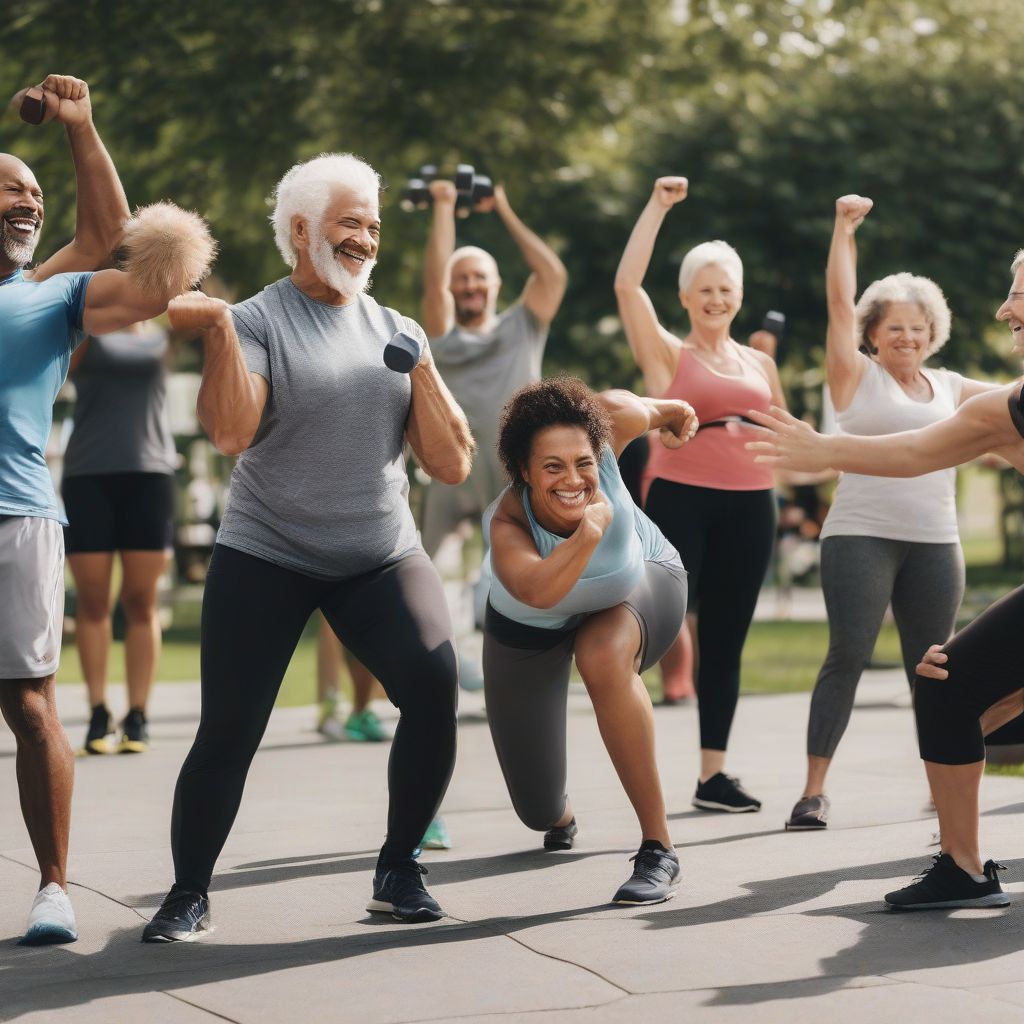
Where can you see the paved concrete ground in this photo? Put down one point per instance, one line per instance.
(767, 926)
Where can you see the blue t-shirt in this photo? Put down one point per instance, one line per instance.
(615, 567)
(40, 326)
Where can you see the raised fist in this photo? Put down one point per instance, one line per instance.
(851, 210)
(443, 192)
(597, 516)
(669, 191)
(195, 311)
(681, 429)
(63, 98)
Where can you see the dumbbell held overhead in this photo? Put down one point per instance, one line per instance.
(471, 189)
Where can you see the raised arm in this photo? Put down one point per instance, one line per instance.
(844, 364)
(545, 287)
(632, 416)
(654, 348)
(543, 582)
(437, 428)
(982, 424)
(167, 250)
(101, 209)
(231, 398)
(438, 304)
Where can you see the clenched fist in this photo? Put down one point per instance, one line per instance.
(669, 191)
(59, 97)
(195, 311)
(681, 429)
(443, 192)
(597, 517)
(851, 211)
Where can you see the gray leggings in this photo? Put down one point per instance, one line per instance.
(860, 576)
(526, 682)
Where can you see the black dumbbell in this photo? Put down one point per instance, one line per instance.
(774, 323)
(472, 188)
(33, 106)
(403, 352)
(417, 189)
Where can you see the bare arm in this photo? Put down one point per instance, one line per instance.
(101, 209)
(844, 363)
(633, 416)
(436, 428)
(656, 350)
(438, 304)
(980, 425)
(231, 398)
(545, 287)
(542, 582)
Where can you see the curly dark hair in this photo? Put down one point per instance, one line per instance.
(556, 402)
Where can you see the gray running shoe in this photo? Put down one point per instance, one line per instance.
(809, 814)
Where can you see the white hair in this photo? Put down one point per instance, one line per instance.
(474, 251)
(707, 254)
(307, 188)
(1018, 261)
(873, 305)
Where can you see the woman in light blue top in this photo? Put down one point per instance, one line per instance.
(579, 570)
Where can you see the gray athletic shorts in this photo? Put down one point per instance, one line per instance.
(31, 596)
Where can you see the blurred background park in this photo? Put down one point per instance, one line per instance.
(771, 109)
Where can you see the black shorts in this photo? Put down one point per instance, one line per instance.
(119, 512)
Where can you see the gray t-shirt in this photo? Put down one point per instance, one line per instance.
(483, 370)
(120, 421)
(322, 489)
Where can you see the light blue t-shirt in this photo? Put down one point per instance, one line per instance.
(40, 326)
(615, 567)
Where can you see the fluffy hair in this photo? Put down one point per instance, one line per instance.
(555, 402)
(306, 190)
(167, 250)
(1018, 261)
(707, 254)
(465, 251)
(903, 287)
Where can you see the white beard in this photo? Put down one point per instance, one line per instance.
(16, 250)
(333, 274)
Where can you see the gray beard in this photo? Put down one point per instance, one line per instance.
(15, 250)
(333, 274)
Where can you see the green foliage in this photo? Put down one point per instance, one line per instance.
(772, 109)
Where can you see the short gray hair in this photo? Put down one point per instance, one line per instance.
(306, 190)
(918, 291)
(474, 252)
(1018, 261)
(707, 254)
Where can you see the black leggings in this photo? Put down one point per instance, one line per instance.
(984, 665)
(393, 619)
(725, 539)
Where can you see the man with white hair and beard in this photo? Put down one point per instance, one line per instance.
(318, 517)
(45, 313)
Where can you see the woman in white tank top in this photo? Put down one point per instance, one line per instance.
(885, 540)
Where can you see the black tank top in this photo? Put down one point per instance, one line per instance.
(1016, 402)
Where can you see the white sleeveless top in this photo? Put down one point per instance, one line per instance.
(921, 508)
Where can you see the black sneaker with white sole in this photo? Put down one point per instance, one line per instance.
(809, 814)
(655, 876)
(561, 837)
(724, 793)
(946, 886)
(183, 916)
(398, 890)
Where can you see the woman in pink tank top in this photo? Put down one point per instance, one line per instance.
(713, 502)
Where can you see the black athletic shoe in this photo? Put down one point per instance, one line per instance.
(100, 726)
(724, 793)
(398, 890)
(809, 814)
(945, 885)
(182, 917)
(561, 837)
(655, 875)
(136, 735)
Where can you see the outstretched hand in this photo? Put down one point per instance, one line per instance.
(669, 191)
(930, 662)
(794, 445)
(681, 429)
(851, 211)
(195, 311)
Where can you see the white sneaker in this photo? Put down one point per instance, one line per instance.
(332, 728)
(51, 919)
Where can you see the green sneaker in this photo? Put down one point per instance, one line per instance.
(366, 727)
(436, 837)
